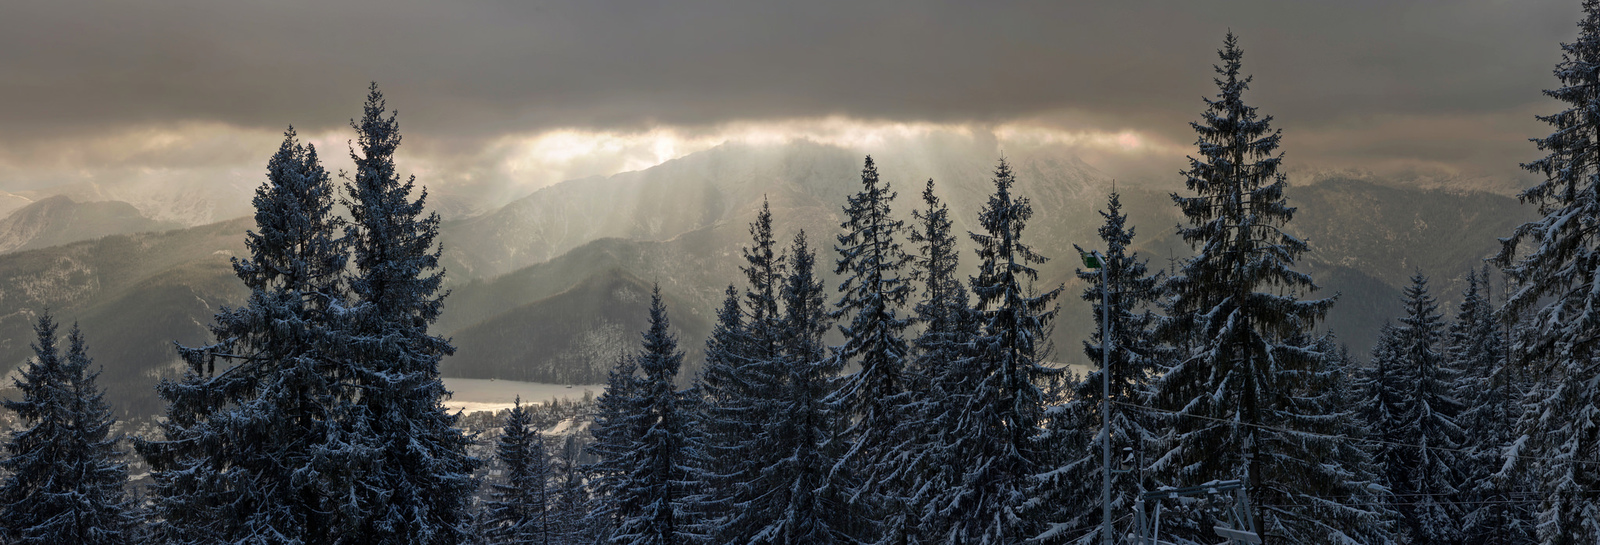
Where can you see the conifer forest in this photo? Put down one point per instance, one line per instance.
(890, 379)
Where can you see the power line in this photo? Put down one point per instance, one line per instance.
(1440, 494)
(1397, 504)
(1342, 437)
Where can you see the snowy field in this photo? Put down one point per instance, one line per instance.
(476, 394)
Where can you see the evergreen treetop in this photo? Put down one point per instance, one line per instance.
(64, 478)
(871, 291)
(519, 508)
(1554, 263)
(414, 479)
(998, 429)
(245, 452)
(944, 310)
(1236, 307)
(800, 505)
(764, 269)
(925, 459)
(1428, 472)
(741, 385)
(661, 473)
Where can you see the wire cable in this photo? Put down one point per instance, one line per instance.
(1343, 437)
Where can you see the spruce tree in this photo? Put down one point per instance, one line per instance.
(246, 450)
(661, 475)
(619, 423)
(1491, 395)
(64, 479)
(728, 416)
(764, 270)
(1236, 307)
(1555, 266)
(1332, 391)
(416, 481)
(925, 461)
(572, 499)
(1073, 489)
(726, 410)
(1424, 472)
(741, 385)
(871, 292)
(519, 509)
(997, 434)
(943, 311)
(1381, 388)
(793, 499)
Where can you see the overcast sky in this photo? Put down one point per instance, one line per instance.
(528, 91)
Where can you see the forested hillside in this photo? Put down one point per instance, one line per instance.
(805, 344)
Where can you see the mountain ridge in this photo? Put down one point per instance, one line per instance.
(58, 220)
(138, 293)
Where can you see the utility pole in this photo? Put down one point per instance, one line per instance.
(1094, 260)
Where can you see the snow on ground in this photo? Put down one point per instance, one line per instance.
(570, 426)
(476, 394)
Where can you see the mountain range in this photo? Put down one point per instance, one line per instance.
(553, 286)
(58, 220)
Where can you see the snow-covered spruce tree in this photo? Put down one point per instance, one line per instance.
(619, 423)
(1554, 264)
(1491, 397)
(1071, 491)
(1236, 307)
(996, 435)
(1377, 399)
(923, 459)
(764, 269)
(792, 498)
(874, 399)
(572, 499)
(1345, 377)
(1330, 391)
(726, 412)
(242, 458)
(64, 476)
(727, 416)
(1381, 390)
(417, 481)
(1424, 475)
(1337, 387)
(740, 386)
(662, 474)
(519, 509)
(944, 310)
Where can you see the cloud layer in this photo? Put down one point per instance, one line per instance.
(1440, 86)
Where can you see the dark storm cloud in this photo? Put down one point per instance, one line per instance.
(476, 67)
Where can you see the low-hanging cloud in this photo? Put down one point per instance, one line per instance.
(1354, 84)
(485, 65)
